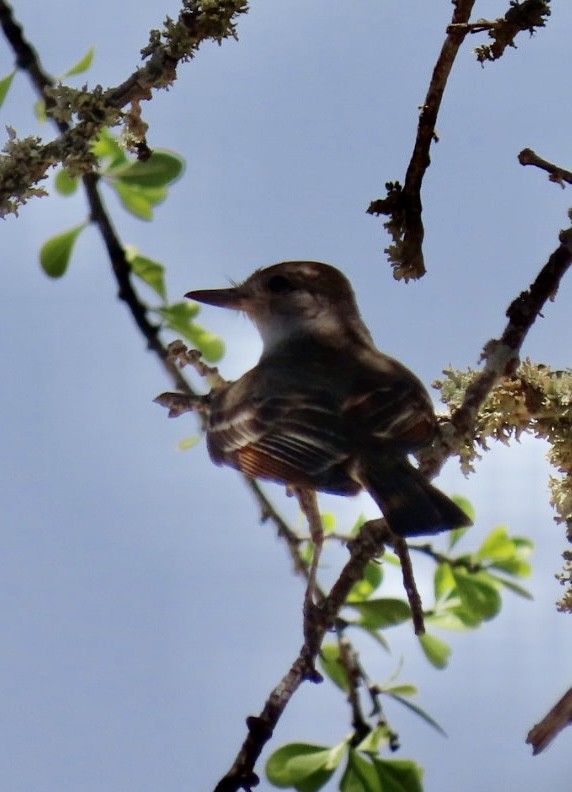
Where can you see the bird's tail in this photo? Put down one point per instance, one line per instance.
(410, 504)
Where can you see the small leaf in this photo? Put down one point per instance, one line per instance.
(5, 84)
(418, 711)
(108, 147)
(64, 183)
(478, 593)
(328, 521)
(514, 587)
(331, 666)
(398, 775)
(82, 65)
(383, 612)
(55, 252)
(188, 442)
(178, 318)
(359, 775)
(40, 111)
(497, 545)
(305, 767)
(447, 619)
(151, 272)
(211, 346)
(357, 525)
(161, 169)
(373, 575)
(436, 650)
(375, 740)
(135, 200)
(444, 582)
(405, 689)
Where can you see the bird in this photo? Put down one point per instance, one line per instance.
(324, 409)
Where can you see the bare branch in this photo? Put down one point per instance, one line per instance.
(403, 205)
(560, 716)
(555, 172)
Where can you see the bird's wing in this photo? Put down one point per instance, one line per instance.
(391, 410)
(298, 438)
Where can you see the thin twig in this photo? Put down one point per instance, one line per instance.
(555, 173)
(402, 552)
(560, 716)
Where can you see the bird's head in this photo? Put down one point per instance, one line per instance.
(290, 298)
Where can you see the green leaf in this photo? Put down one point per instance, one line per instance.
(55, 252)
(161, 169)
(376, 739)
(302, 766)
(211, 345)
(447, 619)
(5, 84)
(178, 318)
(355, 529)
(514, 587)
(40, 111)
(398, 775)
(108, 147)
(359, 775)
(64, 183)
(134, 199)
(513, 566)
(418, 711)
(383, 612)
(82, 65)
(331, 666)
(372, 577)
(150, 272)
(436, 650)
(443, 582)
(404, 689)
(497, 545)
(188, 442)
(478, 593)
(328, 521)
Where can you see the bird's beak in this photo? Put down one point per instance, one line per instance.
(223, 298)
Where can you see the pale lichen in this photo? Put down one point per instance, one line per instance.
(537, 400)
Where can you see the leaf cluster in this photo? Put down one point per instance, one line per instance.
(140, 187)
(467, 592)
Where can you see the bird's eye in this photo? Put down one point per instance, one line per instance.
(279, 283)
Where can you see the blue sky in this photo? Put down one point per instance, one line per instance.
(145, 610)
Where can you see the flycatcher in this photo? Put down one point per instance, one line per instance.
(323, 409)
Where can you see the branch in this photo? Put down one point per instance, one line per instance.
(555, 172)
(403, 205)
(560, 716)
(501, 355)
(369, 543)
(198, 21)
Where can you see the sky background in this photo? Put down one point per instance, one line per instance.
(145, 610)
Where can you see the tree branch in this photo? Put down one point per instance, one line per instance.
(501, 355)
(403, 204)
(555, 173)
(197, 22)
